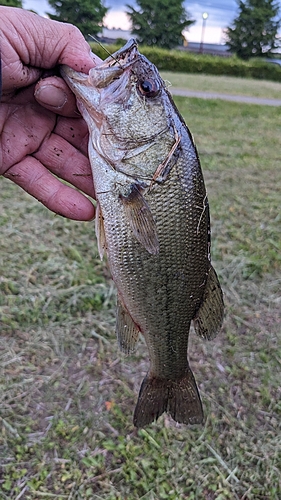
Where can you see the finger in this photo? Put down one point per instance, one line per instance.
(75, 51)
(23, 129)
(66, 162)
(74, 131)
(19, 96)
(34, 178)
(42, 43)
(55, 95)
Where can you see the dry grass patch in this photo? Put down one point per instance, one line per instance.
(67, 394)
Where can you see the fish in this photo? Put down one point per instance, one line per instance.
(152, 223)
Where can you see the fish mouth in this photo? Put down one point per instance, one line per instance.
(102, 74)
(116, 66)
(123, 57)
(114, 79)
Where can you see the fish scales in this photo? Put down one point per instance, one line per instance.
(153, 224)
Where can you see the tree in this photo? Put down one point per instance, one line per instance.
(11, 3)
(87, 15)
(159, 22)
(254, 31)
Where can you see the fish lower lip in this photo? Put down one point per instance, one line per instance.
(70, 74)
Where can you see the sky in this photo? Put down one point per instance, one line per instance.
(220, 15)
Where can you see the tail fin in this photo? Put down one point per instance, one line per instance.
(180, 398)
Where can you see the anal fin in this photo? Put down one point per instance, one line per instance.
(126, 330)
(209, 317)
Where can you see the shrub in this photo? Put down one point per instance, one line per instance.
(186, 62)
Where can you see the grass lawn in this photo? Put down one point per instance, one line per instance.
(224, 84)
(67, 394)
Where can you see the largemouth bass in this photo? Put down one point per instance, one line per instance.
(153, 223)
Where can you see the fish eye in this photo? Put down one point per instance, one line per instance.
(149, 88)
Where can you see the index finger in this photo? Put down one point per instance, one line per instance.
(30, 42)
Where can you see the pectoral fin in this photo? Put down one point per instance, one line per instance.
(209, 317)
(126, 330)
(141, 219)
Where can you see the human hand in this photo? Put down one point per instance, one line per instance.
(41, 130)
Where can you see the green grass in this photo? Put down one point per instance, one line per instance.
(67, 394)
(224, 84)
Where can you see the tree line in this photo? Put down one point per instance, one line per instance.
(253, 32)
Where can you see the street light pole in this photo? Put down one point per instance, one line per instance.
(205, 16)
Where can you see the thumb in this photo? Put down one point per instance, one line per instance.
(55, 95)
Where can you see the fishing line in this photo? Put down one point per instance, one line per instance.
(104, 48)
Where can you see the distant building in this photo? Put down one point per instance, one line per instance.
(111, 35)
